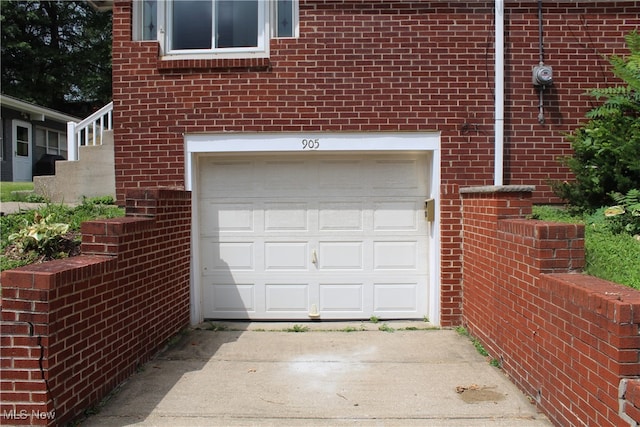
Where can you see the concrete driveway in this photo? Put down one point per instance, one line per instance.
(331, 374)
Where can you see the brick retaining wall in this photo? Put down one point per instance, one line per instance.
(73, 329)
(569, 340)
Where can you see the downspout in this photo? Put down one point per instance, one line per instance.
(499, 94)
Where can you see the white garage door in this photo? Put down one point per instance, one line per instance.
(283, 237)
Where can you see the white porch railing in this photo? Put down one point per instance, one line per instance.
(89, 131)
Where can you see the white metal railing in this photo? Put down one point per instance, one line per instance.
(89, 131)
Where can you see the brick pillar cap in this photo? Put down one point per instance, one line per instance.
(498, 189)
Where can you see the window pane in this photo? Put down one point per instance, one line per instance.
(236, 23)
(53, 140)
(41, 137)
(22, 133)
(22, 149)
(22, 141)
(149, 19)
(284, 16)
(191, 24)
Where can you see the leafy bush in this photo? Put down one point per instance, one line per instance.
(605, 159)
(42, 236)
(20, 250)
(625, 217)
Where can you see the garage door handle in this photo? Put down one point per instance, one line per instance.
(314, 257)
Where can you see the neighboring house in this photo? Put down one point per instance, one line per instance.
(325, 142)
(33, 137)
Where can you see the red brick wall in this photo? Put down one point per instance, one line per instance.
(74, 329)
(630, 395)
(378, 65)
(566, 339)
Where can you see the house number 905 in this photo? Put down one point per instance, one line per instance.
(310, 144)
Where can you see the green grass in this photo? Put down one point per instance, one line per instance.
(478, 346)
(614, 257)
(298, 328)
(386, 328)
(555, 214)
(609, 256)
(7, 188)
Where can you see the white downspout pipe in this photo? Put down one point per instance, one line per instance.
(499, 94)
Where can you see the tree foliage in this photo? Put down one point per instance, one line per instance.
(606, 157)
(56, 54)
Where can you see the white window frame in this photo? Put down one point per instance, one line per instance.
(61, 150)
(295, 18)
(267, 13)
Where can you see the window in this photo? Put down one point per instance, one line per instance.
(286, 18)
(22, 141)
(219, 27)
(51, 142)
(149, 19)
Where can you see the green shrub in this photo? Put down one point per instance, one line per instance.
(23, 250)
(625, 217)
(42, 235)
(605, 161)
(605, 158)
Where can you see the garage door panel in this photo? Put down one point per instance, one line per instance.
(394, 174)
(227, 256)
(388, 255)
(231, 298)
(287, 298)
(226, 176)
(221, 217)
(340, 216)
(340, 174)
(342, 297)
(286, 216)
(395, 297)
(395, 216)
(340, 256)
(286, 255)
(286, 176)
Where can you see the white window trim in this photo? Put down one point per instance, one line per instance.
(165, 30)
(62, 138)
(296, 20)
(269, 11)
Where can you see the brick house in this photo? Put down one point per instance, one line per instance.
(325, 141)
(32, 138)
